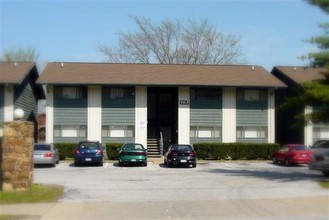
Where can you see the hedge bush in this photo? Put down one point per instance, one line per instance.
(206, 151)
(235, 151)
(66, 150)
(112, 150)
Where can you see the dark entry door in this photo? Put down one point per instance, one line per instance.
(162, 114)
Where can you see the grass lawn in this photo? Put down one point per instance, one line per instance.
(37, 193)
(325, 184)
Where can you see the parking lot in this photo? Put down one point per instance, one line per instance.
(212, 190)
(209, 181)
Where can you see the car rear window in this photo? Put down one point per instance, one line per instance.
(88, 145)
(299, 148)
(321, 144)
(42, 147)
(133, 147)
(181, 148)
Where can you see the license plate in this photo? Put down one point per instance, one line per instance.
(88, 159)
(133, 160)
(303, 155)
(38, 156)
(183, 161)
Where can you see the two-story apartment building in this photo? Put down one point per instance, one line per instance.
(287, 128)
(19, 90)
(139, 102)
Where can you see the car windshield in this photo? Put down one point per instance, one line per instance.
(181, 148)
(321, 144)
(299, 148)
(42, 147)
(133, 147)
(88, 145)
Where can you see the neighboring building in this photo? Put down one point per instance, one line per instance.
(141, 102)
(19, 90)
(287, 128)
(42, 127)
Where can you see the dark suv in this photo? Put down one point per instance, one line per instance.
(89, 152)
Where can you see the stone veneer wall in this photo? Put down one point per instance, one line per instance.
(17, 156)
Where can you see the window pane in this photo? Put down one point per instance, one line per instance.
(105, 131)
(217, 132)
(57, 131)
(239, 131)
(130, 131)
(193, 131)
(83, 131)
(324, 132)
(251, 95)
(117, 131)
(69, 92)
(250, 132)
(69, 131)
(204, 132)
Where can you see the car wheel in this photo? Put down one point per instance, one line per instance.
(274, 160)
(168, 164)
(286, 162)
(120, 164)
(165, 163)
(76, 164)
(145, 164)
(325, 172)
(194, 165)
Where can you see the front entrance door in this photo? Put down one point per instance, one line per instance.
(162, 114)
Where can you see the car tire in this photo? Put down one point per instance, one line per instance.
(274, 160)
(168, 165)
(165, 163)
(120, 164)
(76, 164)
(145, 164)
(194, 165)
(286, 162)
(325, 172)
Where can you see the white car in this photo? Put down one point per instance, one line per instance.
(320, 158)
(45, 154)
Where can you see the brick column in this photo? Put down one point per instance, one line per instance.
(17, 156)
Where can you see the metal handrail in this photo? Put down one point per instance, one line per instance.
(161, 144)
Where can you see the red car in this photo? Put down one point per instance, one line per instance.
(293, 154)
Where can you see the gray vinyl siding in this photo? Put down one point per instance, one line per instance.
(2, 103)
(70, 112)
(207, 113)
(118, 112)
(252, 114)
(25, 99)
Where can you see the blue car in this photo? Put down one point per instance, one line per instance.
(88, 152)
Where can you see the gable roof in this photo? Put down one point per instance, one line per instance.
(157, 74)
(14, 72)
(299, 74)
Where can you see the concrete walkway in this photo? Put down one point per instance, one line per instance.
(297, 208)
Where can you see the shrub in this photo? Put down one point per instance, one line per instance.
(235, 151)
(112, 150)
(65, 150)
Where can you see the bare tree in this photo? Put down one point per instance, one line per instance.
(21, 55)
(174, 42)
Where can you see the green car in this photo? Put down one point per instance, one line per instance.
(132, 153)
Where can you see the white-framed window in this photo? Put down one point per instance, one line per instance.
(118, 92)
(71, 92)
(205, 93)
(70, 130)
(205, 131)
(251, 132)
(321, 132)
(118, 131)
(250, 95)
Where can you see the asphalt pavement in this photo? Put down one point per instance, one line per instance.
(216, 190)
